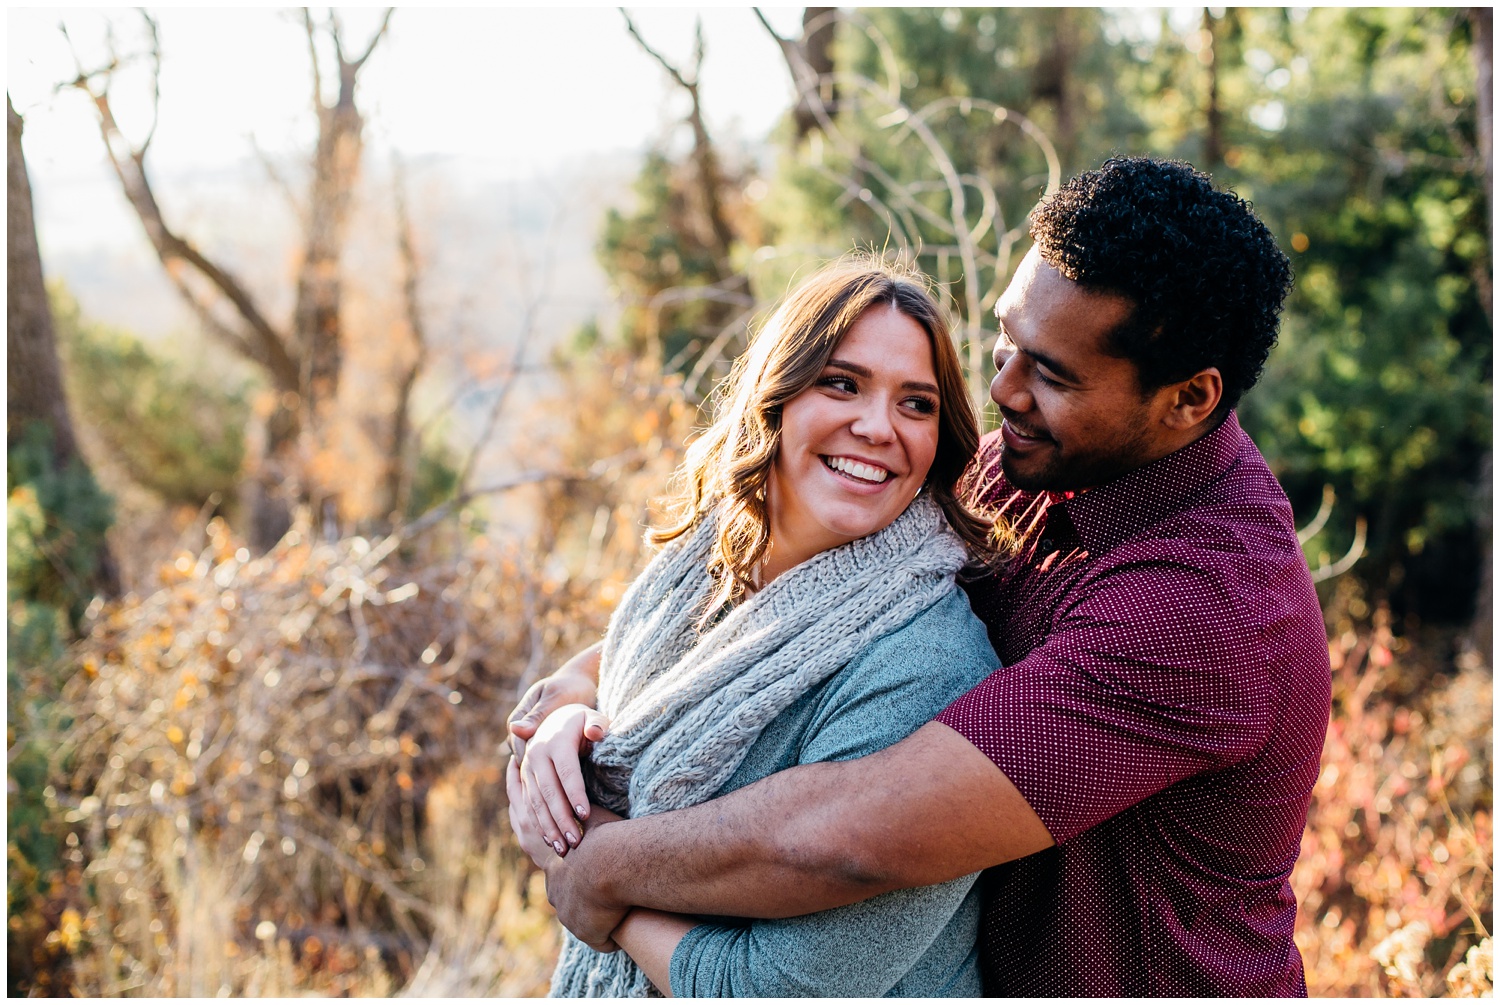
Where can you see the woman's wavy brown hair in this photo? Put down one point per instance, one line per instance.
(731, 461)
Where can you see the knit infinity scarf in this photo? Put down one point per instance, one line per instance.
(685, 707)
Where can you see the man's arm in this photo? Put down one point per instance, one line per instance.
(926, 810)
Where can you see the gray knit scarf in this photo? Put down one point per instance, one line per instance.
(686, 706)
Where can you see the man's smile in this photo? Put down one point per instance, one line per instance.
(1020, 435)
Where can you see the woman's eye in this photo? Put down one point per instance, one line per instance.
(922, 405)
(838, 383)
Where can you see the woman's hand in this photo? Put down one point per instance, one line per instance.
(575, 682)
(551, 780)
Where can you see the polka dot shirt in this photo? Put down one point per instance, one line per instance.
(1162, 708)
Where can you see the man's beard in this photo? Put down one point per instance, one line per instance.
(1063, 474)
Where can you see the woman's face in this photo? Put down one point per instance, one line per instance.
(856, 446)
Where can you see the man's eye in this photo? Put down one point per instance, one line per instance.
(1042, 376)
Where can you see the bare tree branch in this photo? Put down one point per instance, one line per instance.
(312, 52)
(705, 162)
(262, 343)
(1356, 551)
(435, 515)
(398, 477)
(155, 56)
(676, 74)
(278, 179)
(385, 23)
(536, 294)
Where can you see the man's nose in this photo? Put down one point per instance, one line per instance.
(1008, 389)
(1003, 353)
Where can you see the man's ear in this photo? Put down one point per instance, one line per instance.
(1194, 400)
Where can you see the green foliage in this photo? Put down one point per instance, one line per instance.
(1382, 384)
(661, 245)
(55, 525)
(175, 433)
(435, 480)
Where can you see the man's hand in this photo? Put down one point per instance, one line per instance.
(570, 887)
(575, 682)
(551, 779)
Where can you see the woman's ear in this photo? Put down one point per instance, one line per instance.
(1195, 399)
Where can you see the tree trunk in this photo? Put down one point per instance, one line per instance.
(318, 312)
(1481, 632)
(1482, 20)
(818, 24)
(1213, 141)
(33, 372)
(1052, 82)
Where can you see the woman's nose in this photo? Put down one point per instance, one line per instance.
(874, 423)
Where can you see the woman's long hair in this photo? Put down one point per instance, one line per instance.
(731, 461)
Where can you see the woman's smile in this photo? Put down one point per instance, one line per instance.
(858, 471)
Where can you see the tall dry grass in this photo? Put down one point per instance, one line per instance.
(1395, 884)
(281, 773)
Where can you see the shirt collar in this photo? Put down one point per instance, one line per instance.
(1108, 514)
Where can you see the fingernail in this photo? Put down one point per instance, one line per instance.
(557, 846)
(583, 811)
(572, 839)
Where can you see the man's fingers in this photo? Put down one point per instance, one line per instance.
(523, 718)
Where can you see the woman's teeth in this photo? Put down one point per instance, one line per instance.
(864, 472)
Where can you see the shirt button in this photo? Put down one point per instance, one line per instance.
(1047, 544)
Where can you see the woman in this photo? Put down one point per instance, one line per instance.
(804, 609)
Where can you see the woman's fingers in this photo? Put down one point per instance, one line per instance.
(552, 778)
(522, 822)
(548, 803)
(573, 794)
(595, 725)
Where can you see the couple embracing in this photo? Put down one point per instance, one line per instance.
(793, 768)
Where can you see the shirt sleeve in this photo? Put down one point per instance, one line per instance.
(863, 949)
(859, 951)
(1152, 675)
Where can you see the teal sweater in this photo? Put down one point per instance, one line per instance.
(911, 943)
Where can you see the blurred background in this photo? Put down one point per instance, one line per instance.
(348, 350)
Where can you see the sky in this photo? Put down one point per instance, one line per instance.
(495, 93)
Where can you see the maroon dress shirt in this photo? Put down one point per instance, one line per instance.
(1162, 709)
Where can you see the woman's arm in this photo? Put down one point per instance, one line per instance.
(862, 950)
(651, 937)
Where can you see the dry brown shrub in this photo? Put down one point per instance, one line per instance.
(284, 772)
(1395, 884)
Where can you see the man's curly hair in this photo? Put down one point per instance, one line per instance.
(1204, 273)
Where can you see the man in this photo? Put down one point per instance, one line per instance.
(1136, 777)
